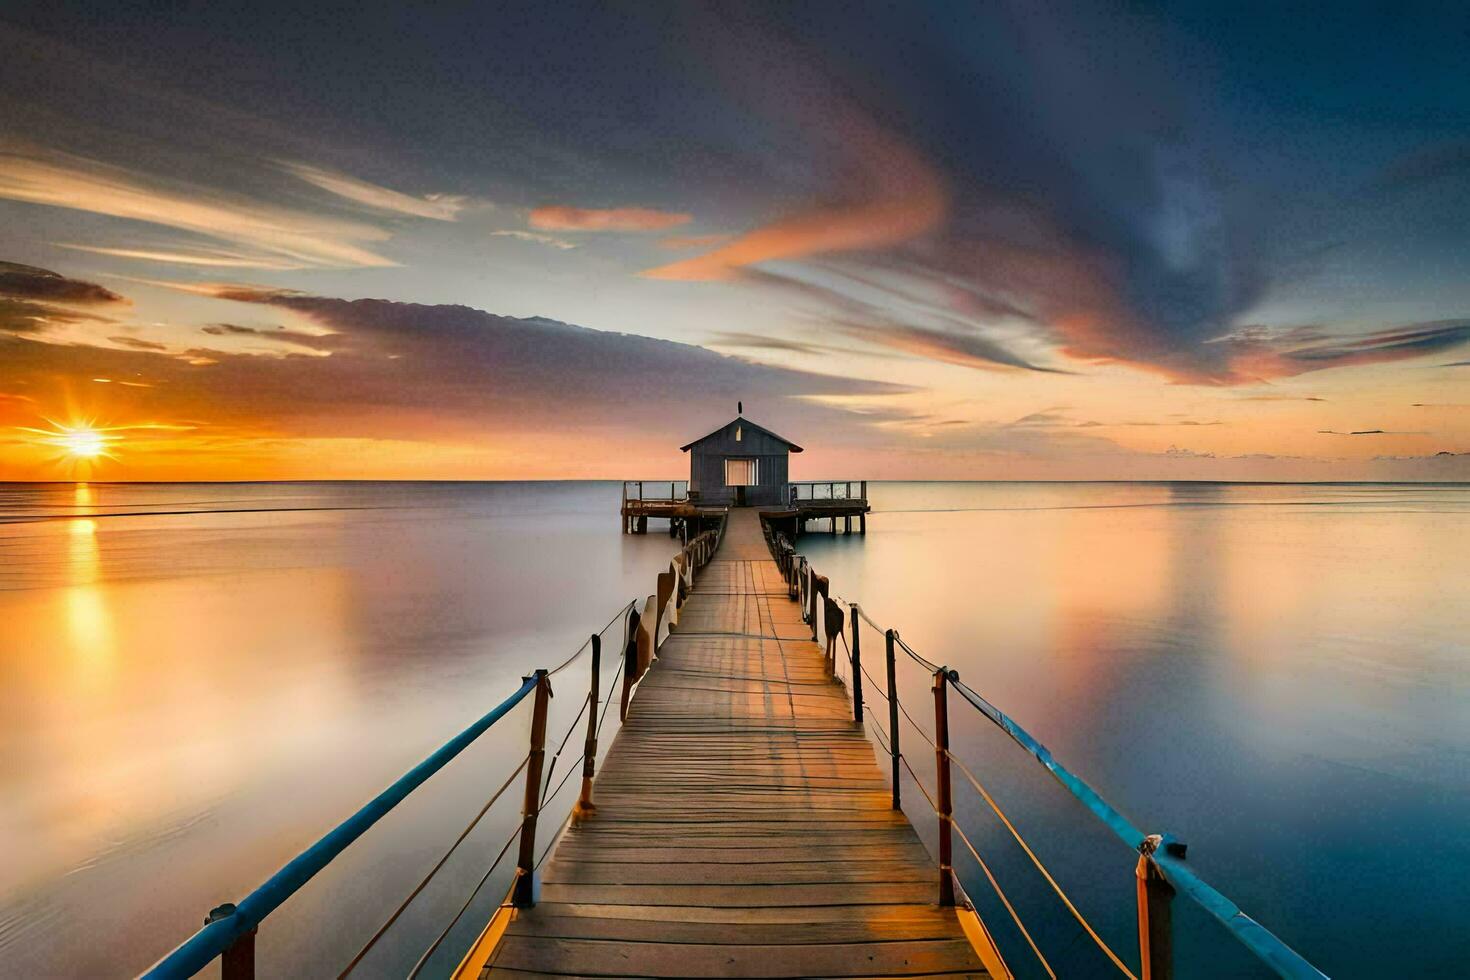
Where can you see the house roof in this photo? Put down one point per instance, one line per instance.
(746, 422)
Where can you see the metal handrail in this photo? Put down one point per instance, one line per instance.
(831, 486)
(1160, 855)
(235, 921)
(673, 491)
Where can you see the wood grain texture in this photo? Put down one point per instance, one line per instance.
(743, 828)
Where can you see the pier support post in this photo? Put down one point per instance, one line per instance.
(585, 806)
(523, 894)
(1155, 918)
(888, 642)
(857, 670)
(862, 523)
(946, 801)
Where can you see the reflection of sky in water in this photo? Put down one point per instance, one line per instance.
(191, 698)
(1275, 674)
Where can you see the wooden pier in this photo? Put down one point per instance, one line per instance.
(830, 501)
(742, 826)
(738, 825)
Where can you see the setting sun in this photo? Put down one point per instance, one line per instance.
(82, 443)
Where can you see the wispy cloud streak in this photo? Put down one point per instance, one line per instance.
(439, 207)
(86, 185)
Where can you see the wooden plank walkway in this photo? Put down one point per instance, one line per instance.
(743, 828)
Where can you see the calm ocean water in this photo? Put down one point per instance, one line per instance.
(200, 679)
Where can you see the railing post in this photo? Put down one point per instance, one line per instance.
(585, 806)
(630, 661)
(237, 962)
(941, 771)
(857, 670)
(811, 595)
(523, 897)
(888, 638)
(1155, 920)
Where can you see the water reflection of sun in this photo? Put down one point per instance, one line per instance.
(89, 624)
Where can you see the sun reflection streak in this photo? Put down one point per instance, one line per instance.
(88, 619)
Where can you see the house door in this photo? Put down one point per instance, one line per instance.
(739, 474)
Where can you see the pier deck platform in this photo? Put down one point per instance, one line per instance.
(742, 828)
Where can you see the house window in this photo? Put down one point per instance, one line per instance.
(737, 433)
(740, 473)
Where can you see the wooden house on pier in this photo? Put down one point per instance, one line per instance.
(740, 464)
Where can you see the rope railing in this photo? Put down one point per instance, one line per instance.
(444, 933)
(1086, 926)
(1161, 869)
(402, 906)
(1000, 893)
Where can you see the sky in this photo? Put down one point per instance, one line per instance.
(924, 240)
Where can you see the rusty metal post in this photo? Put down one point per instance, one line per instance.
(585, 806)
(523, 895)
(1155, 919)
(941, 773)
(857, 670)
(888, 638)
(237, 962)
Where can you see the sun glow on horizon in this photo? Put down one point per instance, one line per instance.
(81, 443)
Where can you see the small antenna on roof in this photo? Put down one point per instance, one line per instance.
(740, 408)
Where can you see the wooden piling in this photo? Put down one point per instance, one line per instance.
(889, 638)
(585, 807)
(523, 893)
(1155, 920)
(946, 801)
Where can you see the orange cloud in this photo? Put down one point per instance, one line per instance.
(559, 217)
(892, 197)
